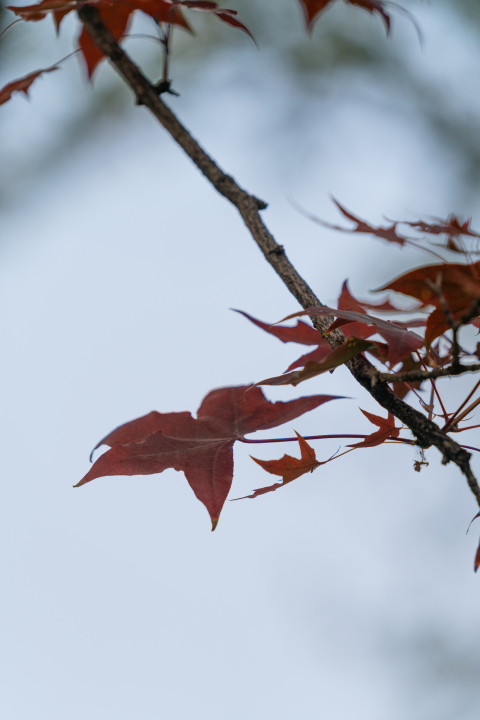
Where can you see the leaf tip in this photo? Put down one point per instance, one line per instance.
(214, 523)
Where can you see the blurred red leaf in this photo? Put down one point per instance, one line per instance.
(201, 447)
(452, 227)
(116, 14)
(288, 467)
(459, 284)
(386, 430)
(23, 84)
(312, 8)
(41, 10)
(223, 14)
(387, 233)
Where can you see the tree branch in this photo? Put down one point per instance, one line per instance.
(425, 431)
(414, 375)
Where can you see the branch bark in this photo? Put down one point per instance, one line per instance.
(425, 431)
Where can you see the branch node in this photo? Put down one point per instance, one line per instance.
(278, 250)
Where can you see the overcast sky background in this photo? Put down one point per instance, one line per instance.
(348, 594)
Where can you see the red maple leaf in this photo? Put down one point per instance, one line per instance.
(313, 8)
(385, 233)
(202, 447)
(386, 430)
(288, 467)
(115, 14)
(343, 353)
(459, 285)
(23, 84)
(400, 341)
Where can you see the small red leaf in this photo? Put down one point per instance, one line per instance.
(23, 84)
(288, 467)
(386, 430)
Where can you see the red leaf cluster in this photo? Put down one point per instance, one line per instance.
(455, 284)
(116, 15)
(201, 447)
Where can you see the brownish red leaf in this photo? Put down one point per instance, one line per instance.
(313, 8)
(289, 468)
(40, 10)
(452, 226)
(23, 84)
(201, 447)
(386, 430)
(351, 347)
(301, 333)
(459, 285)
(385, 233)
(400, 341)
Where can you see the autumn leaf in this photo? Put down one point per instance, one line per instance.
(386, 430)
(452, 227)
(302, 333)
(223, 14)
(289, 468)
(459, 285)
(115, 14)
(400, 341)
(385, 233)
(40, 10)
(351, 347)
(23, 84)
(313, 8)
(201, 447)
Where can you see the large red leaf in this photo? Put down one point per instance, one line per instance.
(23, 84)
(201, 447)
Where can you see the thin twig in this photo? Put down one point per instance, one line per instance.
(455, 414)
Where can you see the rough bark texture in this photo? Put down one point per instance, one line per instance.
(425, 431)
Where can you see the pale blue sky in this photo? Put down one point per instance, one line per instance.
(350, 593)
